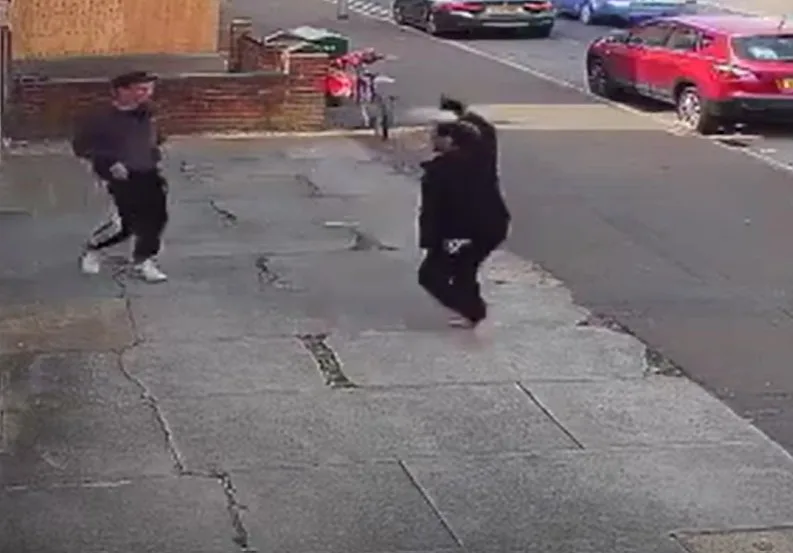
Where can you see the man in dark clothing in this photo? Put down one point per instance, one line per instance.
(123, 146)
(460, 223)
(488, 141)
(486, 151)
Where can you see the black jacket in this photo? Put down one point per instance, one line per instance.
(487, 154)
(459, 201)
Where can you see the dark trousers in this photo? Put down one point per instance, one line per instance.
(452, 278)
(141, 201)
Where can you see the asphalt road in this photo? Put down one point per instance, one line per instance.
(561, 57)
(684, 242)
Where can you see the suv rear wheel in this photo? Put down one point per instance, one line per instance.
(599, 81)
(692, 111)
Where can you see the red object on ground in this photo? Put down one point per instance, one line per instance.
(340, 80)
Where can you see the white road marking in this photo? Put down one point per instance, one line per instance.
(674, 129)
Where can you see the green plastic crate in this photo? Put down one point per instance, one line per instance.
(314, 40)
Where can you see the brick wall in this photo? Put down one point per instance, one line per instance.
(275, 90)
(253, 54)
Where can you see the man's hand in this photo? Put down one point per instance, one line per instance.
(118, 171)
(455, 245)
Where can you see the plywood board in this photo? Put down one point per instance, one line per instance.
(56, 28)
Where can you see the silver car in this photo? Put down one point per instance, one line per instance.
(446, 17)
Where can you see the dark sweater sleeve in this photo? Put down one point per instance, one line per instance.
(96, 140)
(83, 140)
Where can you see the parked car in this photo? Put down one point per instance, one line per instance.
(591, 12)
(716, 70)
(442, 17)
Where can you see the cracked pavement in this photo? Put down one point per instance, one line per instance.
(291, 389)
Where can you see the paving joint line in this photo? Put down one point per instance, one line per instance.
(326, 360)
(549, 415)
(431, 504)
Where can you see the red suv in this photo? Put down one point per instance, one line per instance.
(717, 70)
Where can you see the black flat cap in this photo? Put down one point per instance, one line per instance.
(132, 78)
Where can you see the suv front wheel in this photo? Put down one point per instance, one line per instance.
(692, 111)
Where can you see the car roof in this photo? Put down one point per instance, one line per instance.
(735, 24)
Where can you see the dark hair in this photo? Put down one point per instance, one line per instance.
(450, 104)
(462, 133)
(126, 80)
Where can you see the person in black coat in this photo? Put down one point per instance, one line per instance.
(486, 149)
(461, 221)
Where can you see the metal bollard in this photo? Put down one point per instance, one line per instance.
(342, 10)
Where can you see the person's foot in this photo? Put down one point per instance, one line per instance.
(149, 272)
(456, 321)
(90, 263)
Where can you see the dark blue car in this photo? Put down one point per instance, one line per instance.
(591, 12)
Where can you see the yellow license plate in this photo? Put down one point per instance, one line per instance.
(786, 84)
(503, 9)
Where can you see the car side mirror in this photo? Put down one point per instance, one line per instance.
(618, 37)
(633, 41)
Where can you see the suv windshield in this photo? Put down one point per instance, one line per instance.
(764, 48)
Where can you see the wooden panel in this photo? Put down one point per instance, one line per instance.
(55, 28)
(184, 26)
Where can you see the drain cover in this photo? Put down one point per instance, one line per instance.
(751, 541)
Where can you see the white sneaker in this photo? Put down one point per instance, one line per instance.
(457, 321)
(149, 272)
(90, 263)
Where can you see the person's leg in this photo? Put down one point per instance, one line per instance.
(111, 220)
(151, 223)
(435, 277)
(125, 209)
(465, 283)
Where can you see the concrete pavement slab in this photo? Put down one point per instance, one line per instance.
(776, 541)
(576, 117)
(161, 514)
(626, 501)
(353, 509)
(47, 183)
(223, 367)
(52, 441)
(40, 263)
(73, 378)
(21, 291)
(234, 274)
(521, 353)
(654, 410)
(198, 317)
(358, 290)
(86, 325)
(745, 362)
(228, 226)
(301, 428)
